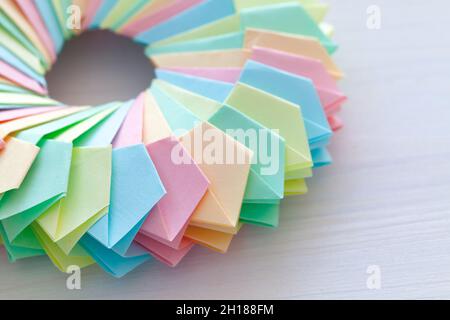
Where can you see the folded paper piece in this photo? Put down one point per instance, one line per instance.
(240, 116)
(186, 185)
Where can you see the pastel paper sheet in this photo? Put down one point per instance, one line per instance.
(330, 96)
(185, 184)
(165, 13)
(288, 17)
(32, 15)
(13, 12)
(262, 187)
(207, 11)
(46, 182)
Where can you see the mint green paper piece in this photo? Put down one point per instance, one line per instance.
(286, 17)
(103, 133)
(276, 114)
(47, 180)
(265, 215)
(261, 188)
(180, 119)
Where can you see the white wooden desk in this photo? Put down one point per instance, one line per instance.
(385, 201)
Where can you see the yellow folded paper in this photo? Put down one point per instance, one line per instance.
(211, 59)
(16, 159)
(214, 240)
(220, 209)
(156, 127)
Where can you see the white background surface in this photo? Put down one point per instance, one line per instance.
(385, 201)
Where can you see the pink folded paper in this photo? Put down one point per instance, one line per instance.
(145, 23)
(335, 122)
(230, 75)
(90, 13)
(186, 185)
(132, 129)
(22, 113)
(31, 13)
(13, 75)
(171, 257)
(326, 86)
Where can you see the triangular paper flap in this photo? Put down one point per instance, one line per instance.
(199, 105)
(155, 125)
(18, 223)
(214, 240)
(210, 59)
(136, 188)
(262, 107)
(16, 252)
(177, 116)
(258, 189)
(295, 89)
(88, 192)
(227, 74)
(228, 179)
(215, 90)
(174, 244)
(26, 239)
(16, 158)
(132, 129)
(185, 184)
(110, 261)
(297, 45)
(305, 67)
(207, 11)
(62, 261)
(69, 242)
(287, 17)
(210, 214)
(265, 215)
(125, 247)
(155, 225)
(163, 253)
(268, 148)
(148, 19)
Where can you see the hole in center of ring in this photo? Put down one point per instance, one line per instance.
(98, 67)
